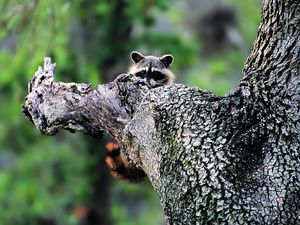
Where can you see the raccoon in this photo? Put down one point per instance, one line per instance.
(119, 167)
(153, 71)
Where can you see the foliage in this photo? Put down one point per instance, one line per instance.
(43, 178)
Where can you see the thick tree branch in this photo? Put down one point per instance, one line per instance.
(52, 106)
(278, 39)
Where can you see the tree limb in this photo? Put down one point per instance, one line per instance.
(53, 106)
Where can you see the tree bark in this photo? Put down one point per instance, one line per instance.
(212, 160)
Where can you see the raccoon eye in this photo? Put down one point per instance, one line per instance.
(156, 75)
(141, 73)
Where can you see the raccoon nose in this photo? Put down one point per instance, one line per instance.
(152, 82)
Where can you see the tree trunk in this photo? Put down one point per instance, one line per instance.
(212, 160)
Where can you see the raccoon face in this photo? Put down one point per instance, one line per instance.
(153, 71)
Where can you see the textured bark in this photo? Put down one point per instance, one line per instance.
(212, 160)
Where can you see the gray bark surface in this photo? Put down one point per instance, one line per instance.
(212, 160)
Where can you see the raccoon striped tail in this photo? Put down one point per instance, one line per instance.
(119, 167)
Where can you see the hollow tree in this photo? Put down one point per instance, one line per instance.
(211, 160)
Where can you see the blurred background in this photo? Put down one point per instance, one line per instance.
(63, 180)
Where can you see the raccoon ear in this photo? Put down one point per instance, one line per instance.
(136, 56)
(167, 60)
